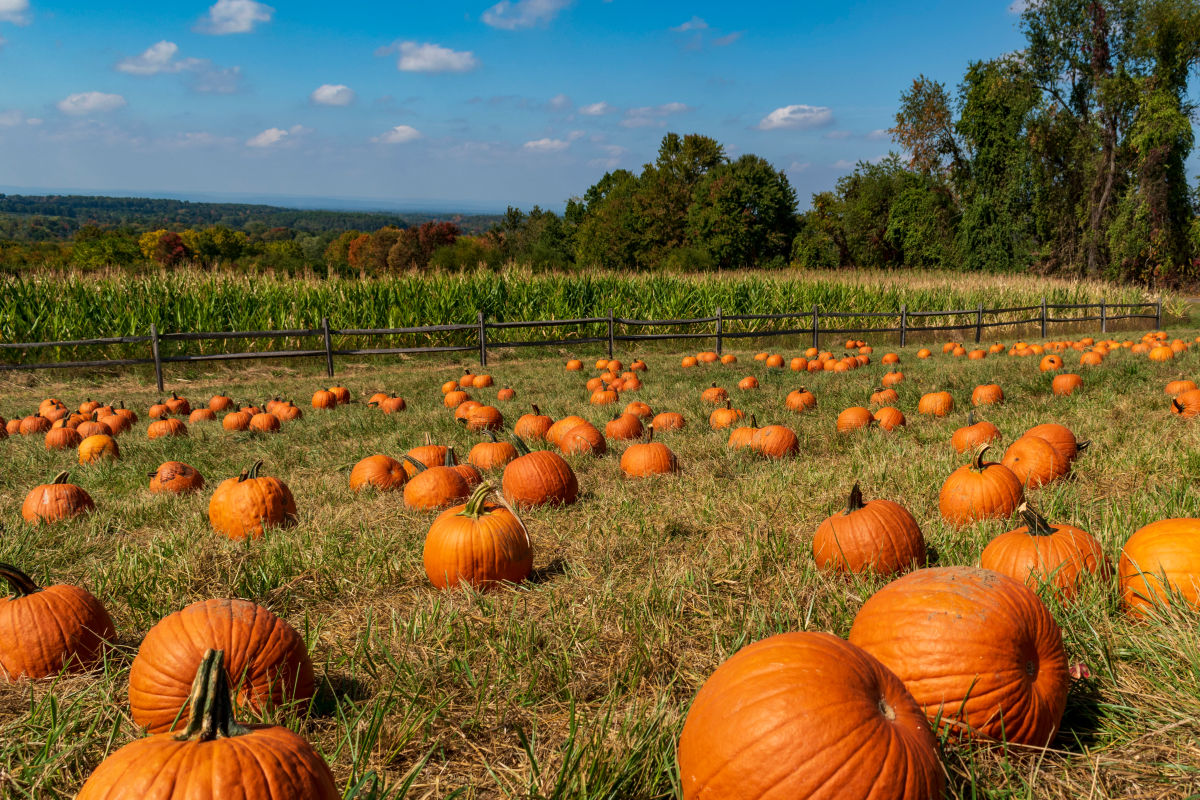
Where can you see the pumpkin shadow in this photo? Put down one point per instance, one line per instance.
(334, 688)
(1083, 718)
(545, 574)
(932, 556)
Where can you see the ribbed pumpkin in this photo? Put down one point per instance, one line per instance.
(668, 420)
(724, 417)
(289, 411)
(583, 438)
(245, 505)
(775, 442)
(806, 715)
(648, 458)
(265, 423)
(1035, 461)
(43, 631)
(889, 418)
(639, 410)
(1066, 383)
(214, 758)
(506, 394)
(169, 426)
(854, 418)
(62, 437)
(533, 426)
(176, 477)
(492, 454)
(479, 544)
(1175, 388)
(980, 490)
(55, 501)
(973, 434)
(159, 410)
(34, 423)
(1040, 553)
(268, 663)
(485, 418)
(748, 382)
(199, 415)
(434, 486)
(465, 408)
(883, 397)
(1060, 438)
(178, 405)
(975, 648)
(539, 478)
(987, 394)
(714, 394)
(425, 454)
(559, 429)
(879, 536)
(379, 472)
(98, 447)
(891, 379)
(341, 393)
(469, 473)
(93, 428)
(937, 404)
(624, 427)
(1186, 404)
(800, 400)
(1051, 363)
(574, 365)
(237, 420)
(1160, 563)
(325, 399)
(220, 402)
(741, 436)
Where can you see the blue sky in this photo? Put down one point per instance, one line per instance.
(455, 104)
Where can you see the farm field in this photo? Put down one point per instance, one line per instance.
(576, 683)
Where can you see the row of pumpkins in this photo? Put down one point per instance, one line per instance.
(752, 726)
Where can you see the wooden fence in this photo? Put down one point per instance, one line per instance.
(616, 329)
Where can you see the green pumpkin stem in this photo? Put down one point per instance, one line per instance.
(1037, 524)
(253, 472)
(60, 478)
(451, 457)
(22, 585)
(419, 466)
(519, 443)
(970, 417)
(211, 710)
(855, 502)
(475, 506)
(491, 434)
(537, 412)
(1086, 443)
(978, 461)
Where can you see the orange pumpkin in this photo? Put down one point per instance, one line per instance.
(775, 442)
(800, 400)
(880, 536)
(648, 458)
(889, 418)
(980, 490)
(532, 426)
(724, 417)
(380, 472)
(1035, 461)
(1160, 564)
(97, 447)
(55, 501)
(1066, 384)
(668, 420)
(434, 486)
(243, 506)
(539, 478)
(492, 454)
(854, 418)
(169, 426)
(987, 394)
(974, 434)
(937, 404)
(1040, 553)
(176, 477)
(479, 544)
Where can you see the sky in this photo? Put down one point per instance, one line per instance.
(455, 105)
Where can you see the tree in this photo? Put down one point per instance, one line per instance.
(925, 128)
(743, 214)
(610, 235)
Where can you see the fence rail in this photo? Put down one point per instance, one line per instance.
(971, 319)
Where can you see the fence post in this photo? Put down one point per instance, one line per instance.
(158, 376)
(979, 324)
(1104, 316)
(1043, 316)
(328, 346)
(482, 341)
(1158, 314)
(610, 333)
(816, 328)
(719, 321)
(904, 324)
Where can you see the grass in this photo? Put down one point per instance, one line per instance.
(575, 685)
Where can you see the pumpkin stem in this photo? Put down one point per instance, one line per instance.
(536, 411)
(753, 421)
(1037, 524)
(978, 460)
(1086, 443)
(253, 473)
(855, 502)
(21, 584)
(522, 448)
(211, 711)
(420, 467)
(1174, 404)
(650, 433)
(451, 457)
(59, 479)
(474, 506)
(970, 417)
(491, 434)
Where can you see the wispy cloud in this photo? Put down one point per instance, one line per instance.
(511, 16)
(693, 24)
(234, 16)
(797, 117)
(652, 116)
(429, 57)
(546, 145)
(727, 39)
(275, 136)
(401, 134)
(597, 109)
(157, 58)
(332, 94)
(15, 11)
(82, 103)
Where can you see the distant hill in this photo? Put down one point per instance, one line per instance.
(58, 217)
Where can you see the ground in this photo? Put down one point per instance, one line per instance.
(575, 684)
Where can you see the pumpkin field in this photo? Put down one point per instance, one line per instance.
(810, 537)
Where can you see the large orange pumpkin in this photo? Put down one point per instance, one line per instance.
(1040, 553)
(381, 472)
(806, 715)
(879, 536)
(54, 501)
(244, 505)
(980, 490)
(1035, 461)
(435, 486)
(539, 478)
(1161, 563)
(480, 544)
(43, 631)
(268, 662)
(977, 649)
(937, 404)
(533, 426)
(176, 477)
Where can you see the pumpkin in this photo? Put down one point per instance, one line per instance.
(12, 427)
(648, 458)
(891, 379)
(977, 355)
(583, 438)
(159, 410)
(729, 358)
(265, 423)
(176, 477)
(1051, 363)
(43, 631)
(93, 428)
(178, 405)
(937, 404)
(1160, 564)
(467, 380)
(973, 434)
(268, 662)
(1162, 353)
(505, 394)
(55, 501)
(214, 757)
(492, 454)
(1060, 438)
(427, 453)
(890, 418)
(1035, 461)
(341, 393)
(35, 423)
(853, 418)
(924, 352)
(220, 402)
(977, 649)
(485, 418)
(470, 475)
(775, 441)
(533, 426)
(806, 715)
(434, 486)
(62, 437)
(715, 395)
(1040, 553)
(323, 398)
(774, 361)
(883, 397)
(97, 447)
(479, 544)
(574, 365)
(879, 536)
(238, 420)
(1187, 404)
(638, 365)
(798, 364)
(169, 426)
(55, 414)
(604, 397)
(1175, 388)
(199, 415)
(380, 472)
(1092, 358)
(748, 382)
(668, 420)
(465, 408)
(980, 490)
(741, 436)
(1065, 384)
(800, 400)
(245, 505)
(987, 394)
(594, 384)
(624, 426)
(286, 412)
(51, 403)
(559, 429)
(724, 417)
(539, 478)
(639, 410)
(689, 361)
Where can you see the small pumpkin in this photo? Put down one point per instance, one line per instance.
(980, 490)
(505, 394)
(1178, 387)
(265, 423)
(747, 383)
(1040, 553)
(854, 418)
(341, 393)
(714, 394)
(324, 399)
(880, 536)
(800, 400)
(176, 477)
(583, 438)
(604, 397)
(1186, 404)
(884, 396)
(286, 412)
(648, 458)
(1035, 461)
(220, 402)
(742, 435)
(98, 447)
(1066, 384)
(380, 472)
(427, 453)
(639, 410)
(479, 544)
(973, 434)
(775, 442)
(492, 454)
(539, 478)
(892, 379)
(987, 394)
(937, 404)
(178, 405)
(434, 486)
(533, 426)
(889, 418)
(56, 501)
(574, 365)
(485, 418)
(35, 423)
(668, 420)
(242, 507)
(623, 427)
(237, 420)
(199, 415)
(62, 437)
(169, 426)
(724, 417)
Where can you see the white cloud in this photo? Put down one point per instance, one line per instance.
(332, 94)
(560, 102)
(233, 16)
(1020, 6)
(727, 39)
(511, 16)
(429, 57)
(799, 116)
(575, 136)
(546, 145)
(693, 24)
(208, 79)
(612, 152)
(879, 134)
(401, 134)
(799, 166)
(842, 163)
(273, 136)
(90, 103)
(597, 109)
(15, 11)
(648, 116)
(159, 57)
(11, 118)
